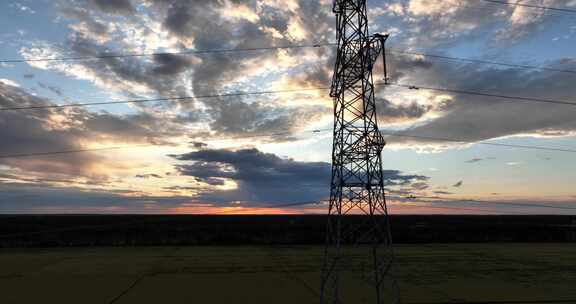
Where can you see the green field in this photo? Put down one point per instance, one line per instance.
(458, 273)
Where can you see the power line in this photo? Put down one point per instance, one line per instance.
(188, 52)
(161, 99)
(454, 208)
(395, 134)
(183, 52)
(501, 203)
(401, 134)
(496, 9)
(20, 155)
(480, 61)
(532, 6)
(179, 98)
(476, 93)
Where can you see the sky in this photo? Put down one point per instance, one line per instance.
(270, 153)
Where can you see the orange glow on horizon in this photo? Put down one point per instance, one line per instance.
(213, 210)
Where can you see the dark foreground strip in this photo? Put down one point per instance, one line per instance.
(501, 302)
(125, 291)
(281, 263)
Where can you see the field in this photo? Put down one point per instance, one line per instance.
(439, 273)
(220, 230)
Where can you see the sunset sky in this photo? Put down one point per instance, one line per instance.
(260, 153)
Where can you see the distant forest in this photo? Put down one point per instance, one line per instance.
(155, 230)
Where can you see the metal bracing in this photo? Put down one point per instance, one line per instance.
(357, 184)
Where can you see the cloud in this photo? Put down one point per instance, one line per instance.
(9, 82)
(46, 130)
(31, 131)
(89, 25)
(264, 178)
(430, 24)
(114, 6)
(168, 64)
(479, 159)
(133, 128)
(443, 192)
(239, 118)
(198, 145)
(99, 27)
(149, 175)
(54, 89)
(523, 21)
(261, 177)
(419, 186)
(474, 160)
(23, 8)
(209, 25)
(204, 25)
(391, 113)
(47, 198)
(475, 118)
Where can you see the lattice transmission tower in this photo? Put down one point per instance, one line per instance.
(357, 185)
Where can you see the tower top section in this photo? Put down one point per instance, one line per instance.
(338, 6)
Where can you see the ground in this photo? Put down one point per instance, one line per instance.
(440, 273)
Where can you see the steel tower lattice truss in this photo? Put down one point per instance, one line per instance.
(357, 184)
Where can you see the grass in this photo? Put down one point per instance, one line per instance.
(451, 273)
